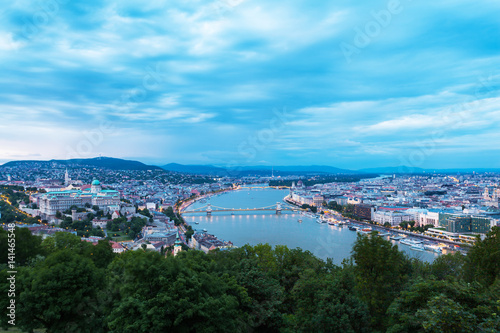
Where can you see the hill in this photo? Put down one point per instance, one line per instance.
(261, 170)
(97, 162)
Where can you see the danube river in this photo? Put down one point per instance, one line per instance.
(254, 227)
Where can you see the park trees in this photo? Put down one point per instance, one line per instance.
(380, 272)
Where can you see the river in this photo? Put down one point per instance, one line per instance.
(254, 227)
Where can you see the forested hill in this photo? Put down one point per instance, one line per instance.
(98, 162)
(66, 285)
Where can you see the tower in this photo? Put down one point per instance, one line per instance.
(486, 194)
(66, 178)
(177, 245)
(96, 187)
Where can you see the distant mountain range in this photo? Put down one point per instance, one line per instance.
(414, 170)
(98, 162)
(261, 170)
(311, 169)
(255, 170)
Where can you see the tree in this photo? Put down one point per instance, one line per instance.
(442, 306)
(60, 294)
(404, 225)
(327, 302)
(175, 298)
(387, 225)
(27, 246)
(448, 266)
(482, 263)
(380, 273)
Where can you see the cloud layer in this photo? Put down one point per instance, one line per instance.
(349, 84)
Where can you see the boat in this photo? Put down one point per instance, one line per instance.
(196, 222)
(395, 238)
(417, 247)
(204, 230)
(434, 248)
(300, 221)
(410, 242)
(365, 230)
(352, 228)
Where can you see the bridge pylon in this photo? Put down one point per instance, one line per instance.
(278, 208)
(209, 209)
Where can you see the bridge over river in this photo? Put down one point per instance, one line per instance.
(209, 209)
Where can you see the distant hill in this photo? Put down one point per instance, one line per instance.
(398, 169)
(255, 170)
(98, 162)
(403, 169)
(195, 169)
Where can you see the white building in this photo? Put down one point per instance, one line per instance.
(392, 217)
(51, 202)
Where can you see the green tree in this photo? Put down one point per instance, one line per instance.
(327, 302)
(175, 298)
(60, 294)
(380, 273)
(27, 246)
(448, 266)
(442, 306)
(483, 260)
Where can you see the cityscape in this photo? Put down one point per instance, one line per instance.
(249, 166)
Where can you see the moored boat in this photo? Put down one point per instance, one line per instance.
(417, 247)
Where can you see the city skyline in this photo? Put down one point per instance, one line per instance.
(234, 82)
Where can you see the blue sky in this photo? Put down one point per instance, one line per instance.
(351, 84)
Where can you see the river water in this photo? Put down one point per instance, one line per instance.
(254, 227)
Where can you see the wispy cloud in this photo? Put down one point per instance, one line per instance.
(193, 79)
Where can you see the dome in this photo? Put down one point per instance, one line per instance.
(96, 182)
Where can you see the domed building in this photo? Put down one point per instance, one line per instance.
(51, 202)
(95, 187)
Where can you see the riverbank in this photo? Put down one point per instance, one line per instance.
(456, 246)
(188, 203)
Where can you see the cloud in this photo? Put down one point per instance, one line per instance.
(193, 79)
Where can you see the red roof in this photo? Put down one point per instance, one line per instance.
(116, 245)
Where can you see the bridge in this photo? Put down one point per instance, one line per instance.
(209, 209)
(251, 187)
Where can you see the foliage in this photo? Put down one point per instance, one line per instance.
(380, 273)
(65, 284)
(483, 260)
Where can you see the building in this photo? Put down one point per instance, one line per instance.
(318, 200)
(467, 224)
(177, 245)
(52, 202)
(117, 247)
(394, 218)
(363, 211)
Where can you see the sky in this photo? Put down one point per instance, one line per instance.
(351, 84)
